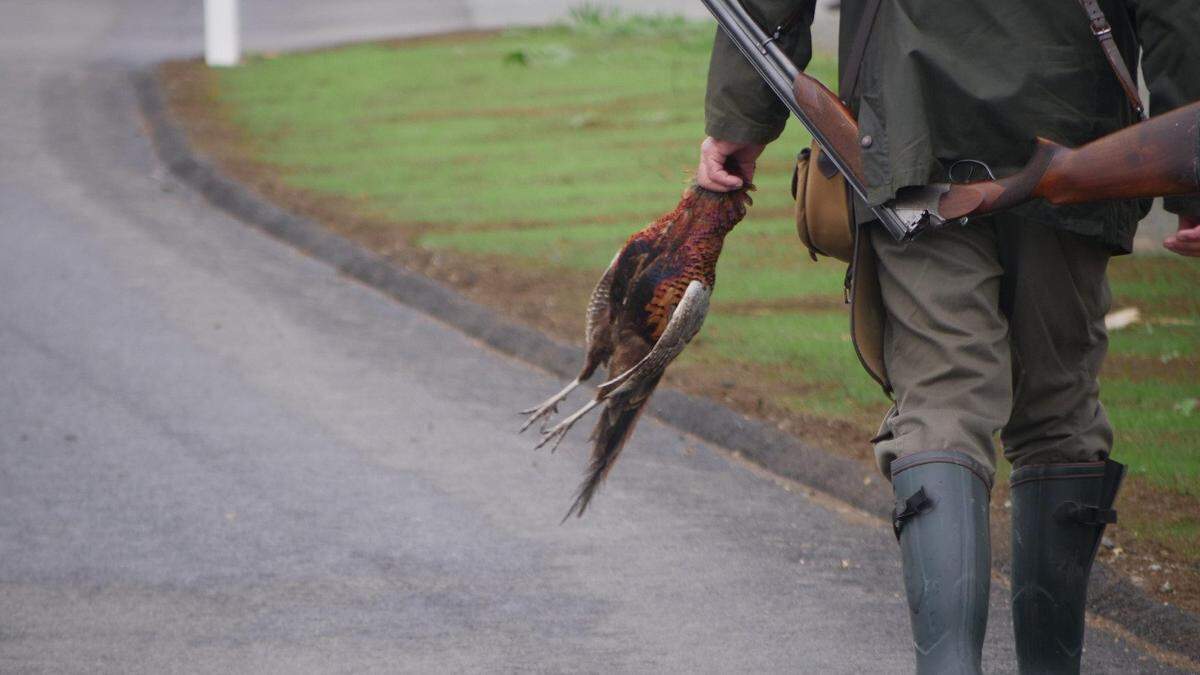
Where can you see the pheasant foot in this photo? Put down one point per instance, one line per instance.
(548, 407)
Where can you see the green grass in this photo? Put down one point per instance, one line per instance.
(1177, 530)
(1157, 423)
(555, 144)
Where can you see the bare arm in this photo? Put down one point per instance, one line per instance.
(1167, 31)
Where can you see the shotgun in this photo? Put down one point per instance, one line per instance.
(1156, 158)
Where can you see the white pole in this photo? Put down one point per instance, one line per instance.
(221, 46)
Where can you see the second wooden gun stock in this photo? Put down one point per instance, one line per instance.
(1157, 158)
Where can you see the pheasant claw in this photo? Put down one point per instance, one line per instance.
(558, 431)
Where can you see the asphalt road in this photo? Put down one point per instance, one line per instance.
(217, 455)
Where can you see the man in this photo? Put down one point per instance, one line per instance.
(998, 325)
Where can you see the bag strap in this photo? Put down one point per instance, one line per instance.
(1103, 32)
(849, 84)
(857, 51)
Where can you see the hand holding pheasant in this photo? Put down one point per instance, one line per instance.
(650, 302)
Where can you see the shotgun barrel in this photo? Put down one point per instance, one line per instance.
(789, 84)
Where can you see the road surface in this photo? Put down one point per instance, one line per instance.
(217, 455)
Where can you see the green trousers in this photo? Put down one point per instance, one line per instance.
(995, 326)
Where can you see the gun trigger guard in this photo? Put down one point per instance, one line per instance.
(971, 176)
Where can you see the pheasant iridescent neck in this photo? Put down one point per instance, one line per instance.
(708, 212)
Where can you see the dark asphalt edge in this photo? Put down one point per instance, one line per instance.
(1111, 595)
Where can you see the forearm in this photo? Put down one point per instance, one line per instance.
(1169, 32)
(739, 106)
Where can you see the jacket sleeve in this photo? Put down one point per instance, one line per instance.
(739, 106)
(1169, 32)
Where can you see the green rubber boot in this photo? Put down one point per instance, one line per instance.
(1059, 514)
(941, 521)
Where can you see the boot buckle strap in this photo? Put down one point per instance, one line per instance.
(915, 505)
(1085, 515)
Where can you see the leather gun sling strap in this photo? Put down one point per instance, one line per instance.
(1103, 32)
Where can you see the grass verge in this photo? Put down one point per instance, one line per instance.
(513, 164)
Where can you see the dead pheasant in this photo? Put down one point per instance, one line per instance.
(648, 305)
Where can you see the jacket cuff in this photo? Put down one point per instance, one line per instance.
(1183, 206)
(726, 128)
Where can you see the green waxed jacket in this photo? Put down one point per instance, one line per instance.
(944, 80)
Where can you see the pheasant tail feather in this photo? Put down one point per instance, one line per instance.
(613, 429)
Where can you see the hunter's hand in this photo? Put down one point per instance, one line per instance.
(1187, 240)
(725, 165)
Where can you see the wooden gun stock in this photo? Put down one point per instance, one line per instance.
(1157, 158)
(833, 118)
